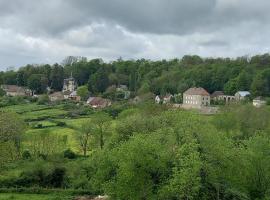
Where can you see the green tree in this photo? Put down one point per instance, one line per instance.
(57, 77)
(83, 92)
(186, 181)
(99, 81)
(37, 83)
(2, 92)
(101, 122)
(140, 166)
(11, 130)
(84, 136)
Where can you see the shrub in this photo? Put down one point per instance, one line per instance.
(69, 154)
(43, 99)
(61, 124)
(26, 155)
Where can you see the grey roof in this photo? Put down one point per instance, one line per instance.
(243, 93)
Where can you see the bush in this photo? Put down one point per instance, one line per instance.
(62, 124)
(69, 154)
(39, 126)
(26, 155)
(43, 99)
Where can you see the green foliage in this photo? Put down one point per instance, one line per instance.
(26, 155)
(37, 83)
(43, 99)
(140, 164)
(143, 151)
(83, 92)
(2, 92)
(69, 154)
(99, 81)
(11, 130)
(185, 180)
(145, 76)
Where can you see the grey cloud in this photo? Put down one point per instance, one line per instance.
(48, 30)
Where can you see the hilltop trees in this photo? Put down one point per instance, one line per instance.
(158, 77)
(57, 77)
(99, 81)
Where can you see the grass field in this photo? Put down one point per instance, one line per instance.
(5, 196)
(25, 108)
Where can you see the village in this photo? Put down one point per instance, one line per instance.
(194, 98)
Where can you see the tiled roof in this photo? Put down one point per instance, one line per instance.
(197, 91)
(217, 93)
(12, 88)
(57, 94)
(243, 93)
(98, 101)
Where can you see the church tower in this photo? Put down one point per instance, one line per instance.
(70, 84)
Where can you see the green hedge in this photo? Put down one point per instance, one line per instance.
(38, 190)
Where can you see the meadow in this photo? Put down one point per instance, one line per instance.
(54, 121)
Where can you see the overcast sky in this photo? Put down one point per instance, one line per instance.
(46, 31)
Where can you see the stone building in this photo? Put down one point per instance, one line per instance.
(196, 98)
(220, 96)
(70, 85)
(14, 90)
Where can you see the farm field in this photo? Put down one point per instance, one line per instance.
(51, 123)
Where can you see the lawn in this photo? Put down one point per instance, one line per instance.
(25, 108)
(7, 196)
(59, 132)
(44, 114)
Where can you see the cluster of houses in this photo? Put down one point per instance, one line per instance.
(69, 92)
(199, 98)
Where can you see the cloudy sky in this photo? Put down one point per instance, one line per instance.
(46, 31)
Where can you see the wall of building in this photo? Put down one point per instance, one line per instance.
(196, 100)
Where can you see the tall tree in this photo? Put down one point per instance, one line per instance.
(99, 81)
(57, 77)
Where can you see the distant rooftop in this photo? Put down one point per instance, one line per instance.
(243, 93)
(197, 91)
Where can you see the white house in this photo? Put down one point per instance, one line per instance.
(259, 102)
(157, 99)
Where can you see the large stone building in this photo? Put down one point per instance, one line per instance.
(196, 98)
(14, 90)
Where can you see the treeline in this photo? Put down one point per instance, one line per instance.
(158, 77)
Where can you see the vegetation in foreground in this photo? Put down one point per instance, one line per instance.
(141, 151)
(8, 196)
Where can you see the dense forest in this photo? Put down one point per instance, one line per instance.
(158, 77)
